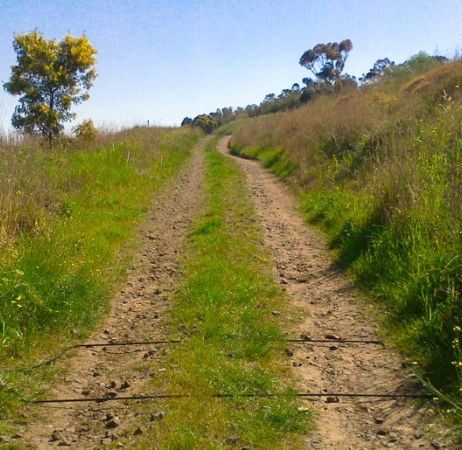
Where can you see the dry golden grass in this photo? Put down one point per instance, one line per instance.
(382, 174)
(28, 190)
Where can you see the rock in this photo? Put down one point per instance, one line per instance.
(138, 432)
(379, 420)
(233, 439)
(109, 416)
(436, 444)
(113, 423)
(333, 399)
(5, 439)
(275, 313)
(288, 352)
(111, 394)
(125, 385)
(158, 415)
(297, 364)
(333, 337)
(57, 436)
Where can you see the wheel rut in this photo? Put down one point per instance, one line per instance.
(318, 291)
(324, 296)
(137, 314)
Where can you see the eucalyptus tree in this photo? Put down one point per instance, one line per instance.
(327, 61)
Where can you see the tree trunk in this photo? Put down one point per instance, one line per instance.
(50, 132)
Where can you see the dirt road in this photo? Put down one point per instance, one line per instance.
(138, 314)
(302, 267)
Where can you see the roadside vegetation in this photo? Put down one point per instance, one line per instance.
(224, 312)
(67, 217)
(379, 168)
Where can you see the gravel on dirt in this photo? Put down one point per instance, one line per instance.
(318, 291)
(305, 271)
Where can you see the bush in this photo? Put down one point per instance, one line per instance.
(86, 131)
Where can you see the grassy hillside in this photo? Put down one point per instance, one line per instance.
(380, 169)
(64, 217)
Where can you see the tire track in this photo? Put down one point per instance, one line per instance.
(138, 314)
(303, 268)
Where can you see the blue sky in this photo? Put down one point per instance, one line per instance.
(162, 60)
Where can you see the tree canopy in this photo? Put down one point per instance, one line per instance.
(49, 76)
(379, 69)
(327, 61)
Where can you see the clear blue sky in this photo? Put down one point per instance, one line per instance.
(164, 60)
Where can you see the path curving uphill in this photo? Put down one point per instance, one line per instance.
(304, 269)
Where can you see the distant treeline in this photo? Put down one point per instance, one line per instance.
(326, 63)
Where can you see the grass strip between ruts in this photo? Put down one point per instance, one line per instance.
(225, 308)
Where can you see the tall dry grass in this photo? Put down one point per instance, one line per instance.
(381, 169)
(30, 187)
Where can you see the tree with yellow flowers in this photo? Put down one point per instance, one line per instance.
(49, 76)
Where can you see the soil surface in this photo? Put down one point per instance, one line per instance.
(303, 268)
(138, 314)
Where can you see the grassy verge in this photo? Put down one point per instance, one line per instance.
(385, 184)
(62, 257)
(224, 310)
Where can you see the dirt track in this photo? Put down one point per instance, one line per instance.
(302, 267)
(137, 315)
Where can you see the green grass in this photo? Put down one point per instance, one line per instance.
(56, 279)
(386, 186)
(224, 311)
